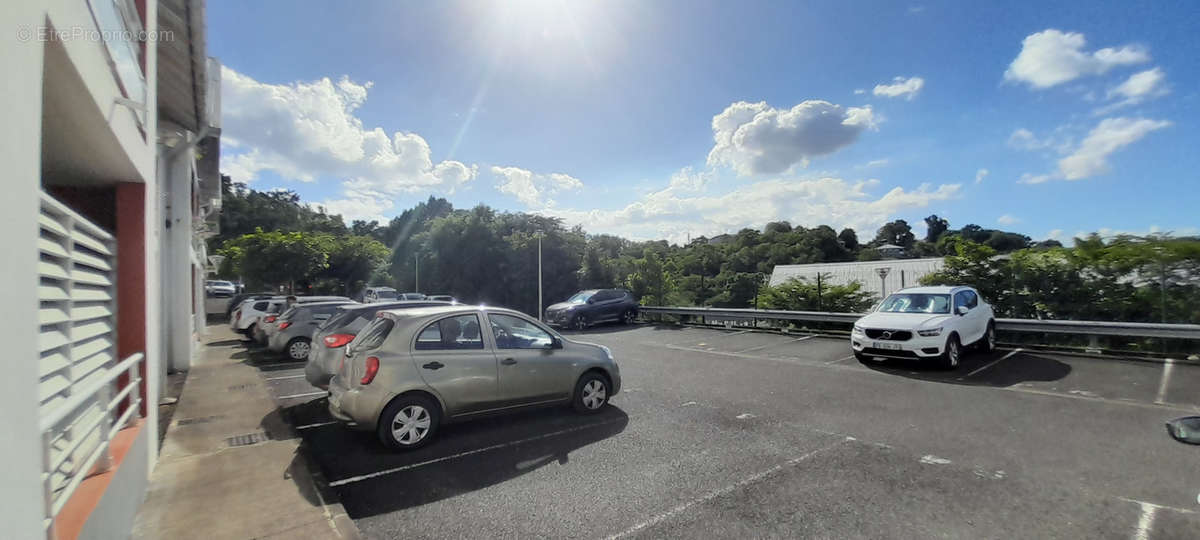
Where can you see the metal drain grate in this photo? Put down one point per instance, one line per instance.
(200, 420)
(247, 439)
(242, 387)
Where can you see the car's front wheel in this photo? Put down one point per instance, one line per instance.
(953, 353)
(298, 348)
(987, 343)
(629, 316)
(408, 422)
(591, 393)
(580, 322)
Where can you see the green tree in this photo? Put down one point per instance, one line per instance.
(895, 232)
(935, 228)
(801, 294)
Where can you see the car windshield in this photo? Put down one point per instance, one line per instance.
(916, 303)
(580, 297)
(385, 295)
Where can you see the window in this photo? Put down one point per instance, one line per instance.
(287, 315)
(604, 296)
(580, 297)
(517, 333)
(260, 306)
(373, 335)
(461, 332)
(385, 295)
(972, 299)
(965, 298)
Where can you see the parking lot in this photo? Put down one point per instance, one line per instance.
(721, 433)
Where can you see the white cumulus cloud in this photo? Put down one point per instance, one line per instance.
(1090, 158)
(309, 130)
(1139, 87)
(755, 138)
(532, 189)
(901, 87)
(1007, 219)
(980, 175)
(1052, 57)
(684, 209)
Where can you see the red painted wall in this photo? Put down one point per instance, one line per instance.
(131, 276)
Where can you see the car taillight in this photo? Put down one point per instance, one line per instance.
(283, 325)
(372, 367)
(237, 315)
(334, 341)
(269, 319)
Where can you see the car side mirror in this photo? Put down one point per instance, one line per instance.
(962, 310)
(1185, 430)
(591, 300)
(555, 343)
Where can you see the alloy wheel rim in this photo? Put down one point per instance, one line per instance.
(594, 394)
(953, 353)
(299, 349)
(411, 425)
(629, 316)
(991, 337)
(580, 323)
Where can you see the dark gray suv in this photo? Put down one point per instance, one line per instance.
(592, 306)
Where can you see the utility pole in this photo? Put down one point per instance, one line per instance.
(540, 304)
(416, 272)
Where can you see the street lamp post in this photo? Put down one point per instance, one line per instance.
(416, 272)
(883, 272)
(539, 307)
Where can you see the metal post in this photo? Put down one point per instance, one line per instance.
(416, 272)
(540, 304)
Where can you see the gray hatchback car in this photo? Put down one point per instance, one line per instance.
(411, 371)
(293, 329)
(331, 338)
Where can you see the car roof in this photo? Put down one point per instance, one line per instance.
(380, 289)
(326, 303)
(934, 289)
(443, 310)
(395, 304)
(311, 299)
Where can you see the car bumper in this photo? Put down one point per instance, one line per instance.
(320, 367)
(918, 347)
(352, 406)
(558, 319)
(276, 342)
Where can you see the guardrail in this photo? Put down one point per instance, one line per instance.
(1079, 328)
(87, 418)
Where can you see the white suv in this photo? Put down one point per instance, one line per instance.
(246, 317)
(926, 323)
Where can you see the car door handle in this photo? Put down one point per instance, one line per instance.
(434, 365)
(508, 361)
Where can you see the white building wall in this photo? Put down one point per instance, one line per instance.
(901, 273)
(178, 164)
(20, 152)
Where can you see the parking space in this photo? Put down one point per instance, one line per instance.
(718, 433)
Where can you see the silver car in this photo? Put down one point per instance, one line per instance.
(294, 328)
(410, 371)
(270, 322)
(331, 338)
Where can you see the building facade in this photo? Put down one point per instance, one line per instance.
(111, 152)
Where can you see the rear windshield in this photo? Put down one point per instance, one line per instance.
(373, 335)
(386, 295)
(261, 306)
(289, 313)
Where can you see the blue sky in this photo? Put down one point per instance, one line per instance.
(676, 119)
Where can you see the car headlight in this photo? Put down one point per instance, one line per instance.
(858, 329)
(930, 332)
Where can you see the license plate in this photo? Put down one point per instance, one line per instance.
(886, 346)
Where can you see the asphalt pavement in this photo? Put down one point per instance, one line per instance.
(730, 433)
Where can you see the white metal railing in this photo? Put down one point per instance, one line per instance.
(77, 343)
(1083, 328)
(104, 426)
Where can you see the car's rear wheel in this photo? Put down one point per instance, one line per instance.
(580, 322)
(298, 348)
(953, 353)
(591, 393)
(629, 316)
(409, 422)
(249, 331)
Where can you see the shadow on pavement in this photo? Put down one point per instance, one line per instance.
(974, 369)
(465, 457)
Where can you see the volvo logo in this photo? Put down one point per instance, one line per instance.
(887, 334)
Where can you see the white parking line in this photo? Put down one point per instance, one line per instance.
(316, 425)
(992, 363)
(393, 470)
(1166, 380)
(306, 394)
(659, 518)
(1145, 521)
(842, 359)
(776, 344)
(285, 377)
